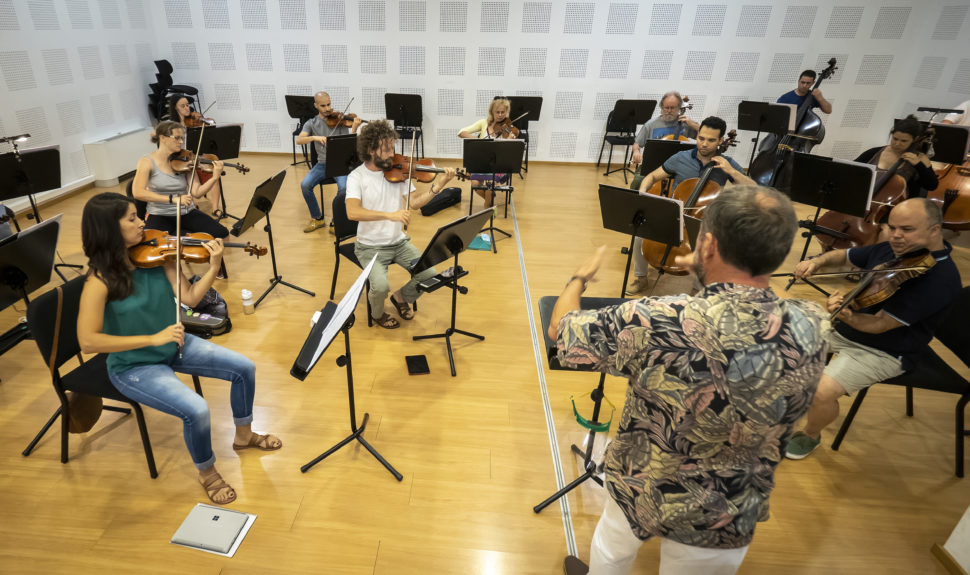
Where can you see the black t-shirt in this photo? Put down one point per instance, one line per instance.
(923, 180)
(920, 303)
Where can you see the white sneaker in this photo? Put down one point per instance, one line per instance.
(637, 285)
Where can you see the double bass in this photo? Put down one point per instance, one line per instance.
(888, 190)
(772, 165)
(696, 194)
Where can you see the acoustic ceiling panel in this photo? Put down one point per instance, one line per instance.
(709, 20)
(495, 17)
(532, 62)
(296, 58)
(536, 17)
(622, 18)
(215, 14)
(79, 14)
(753, 22)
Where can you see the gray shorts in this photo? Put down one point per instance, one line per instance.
(856, 366)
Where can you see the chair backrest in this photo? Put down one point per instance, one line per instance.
(953, 332)
(164, 66)
(140, 207)
(621, 124)
(41, 316)
(343, 227)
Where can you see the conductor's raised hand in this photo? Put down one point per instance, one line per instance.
(589, 268)
(173, 333)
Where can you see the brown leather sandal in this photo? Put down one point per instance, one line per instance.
(214, 485)
(387, 322)
(260, 442)
(403, 309)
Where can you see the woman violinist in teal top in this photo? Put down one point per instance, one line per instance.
(128, 313)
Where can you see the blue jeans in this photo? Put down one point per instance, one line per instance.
(156, 386)
(314, 177)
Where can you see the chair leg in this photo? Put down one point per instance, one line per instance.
(909, 401)
(848, 419)
(42, 432)
(65, 430)
(370, 317)
(599, 159)
(609, 161)
(198, 385)
(962, 432)
(143, 429)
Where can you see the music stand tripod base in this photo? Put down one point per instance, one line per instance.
(356, 432)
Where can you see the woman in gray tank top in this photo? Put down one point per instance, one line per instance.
(156, 181)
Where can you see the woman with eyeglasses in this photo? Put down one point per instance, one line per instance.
(157, 183)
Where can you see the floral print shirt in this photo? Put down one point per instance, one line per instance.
(717, 381)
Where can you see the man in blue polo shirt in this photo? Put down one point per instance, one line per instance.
(798, 95)
(684, 166)
(879, 342)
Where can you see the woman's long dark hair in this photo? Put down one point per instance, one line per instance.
(103, 243)
(173, 114)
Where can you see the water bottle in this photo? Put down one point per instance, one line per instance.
(247, 297)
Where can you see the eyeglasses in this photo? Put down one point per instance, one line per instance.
(670, 108)
(178, 138)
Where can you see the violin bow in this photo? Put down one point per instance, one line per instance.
(407, 202)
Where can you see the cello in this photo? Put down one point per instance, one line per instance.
(696, 194)
(680, 124)
(889, 190)
(953, 195)
(772, 165)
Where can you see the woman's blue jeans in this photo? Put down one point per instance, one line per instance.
(157, 386)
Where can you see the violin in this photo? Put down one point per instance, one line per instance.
(696, 194)
(889, 190)
(184, 161)
(424, 170)
(506, 128)
(881, 282)
(680, 124)
(195, 120)
(157, 248)
(335, 119)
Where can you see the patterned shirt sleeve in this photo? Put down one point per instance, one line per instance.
(607, 339)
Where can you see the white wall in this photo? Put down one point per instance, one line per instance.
(74, 72)
(579, 56)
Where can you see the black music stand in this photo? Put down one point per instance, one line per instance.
(764, 117)
(829, 184)
(546, 305)
(449, 241)
(31, 172)
(951, 143)
(301, 109)
(657, 152)
(26, 263)
(333, 318)
(493, 157)
(528, 107)
(653, 218)
(406, 113)
(341, 155)
(626, 116)
(222, 141)
(259, 207)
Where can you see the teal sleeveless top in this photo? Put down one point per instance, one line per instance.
(148, 310)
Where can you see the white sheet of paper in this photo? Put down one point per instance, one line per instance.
(345, 307)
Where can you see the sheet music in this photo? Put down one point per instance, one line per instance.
(346, 307)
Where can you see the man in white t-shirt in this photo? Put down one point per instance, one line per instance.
(961, 119)
(378, 206)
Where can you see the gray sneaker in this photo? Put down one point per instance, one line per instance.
(638, 284)
(801, 445)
